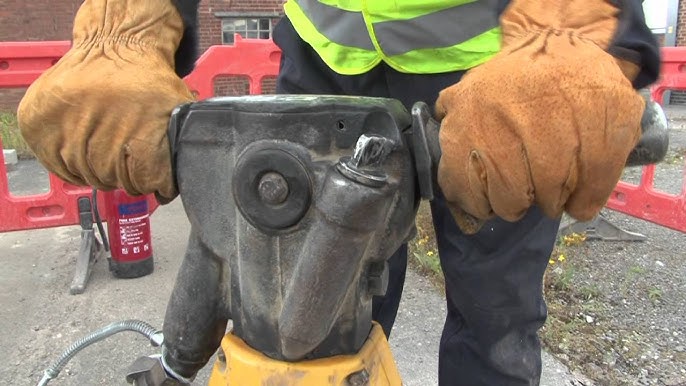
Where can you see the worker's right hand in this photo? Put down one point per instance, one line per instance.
(99, 116)
(549, 121)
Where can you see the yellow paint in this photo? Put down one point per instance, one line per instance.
(245, 366)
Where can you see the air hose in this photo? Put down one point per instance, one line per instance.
(141, 327)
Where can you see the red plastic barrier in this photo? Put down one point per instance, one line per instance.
(672, 75)
(642, 200)
(57, 207)
(255, 59)
(21, 63)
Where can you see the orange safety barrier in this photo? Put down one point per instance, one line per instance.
(643, 200)
(255, 59)
(21, 63)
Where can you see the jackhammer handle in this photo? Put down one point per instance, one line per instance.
(176, 122)
(652, 147)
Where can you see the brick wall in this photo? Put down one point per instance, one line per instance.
(679, 97)
(681, 24)
(22, 20)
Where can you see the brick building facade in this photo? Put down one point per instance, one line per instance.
(681, 24)
(679, 97)
(219, 20)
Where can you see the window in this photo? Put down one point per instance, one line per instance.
(250, 28)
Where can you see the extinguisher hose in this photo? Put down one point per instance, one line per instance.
(141, 327)
(98, 221)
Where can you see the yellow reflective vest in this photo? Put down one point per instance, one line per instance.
(411, 36)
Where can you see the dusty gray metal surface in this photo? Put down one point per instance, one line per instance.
(295, 203)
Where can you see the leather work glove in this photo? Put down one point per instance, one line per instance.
(99, 116)
(550, 120)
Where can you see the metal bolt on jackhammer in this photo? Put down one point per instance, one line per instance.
(360, 378)
(273, 188)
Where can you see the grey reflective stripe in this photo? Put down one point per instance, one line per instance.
(340, 26)
(445, 28)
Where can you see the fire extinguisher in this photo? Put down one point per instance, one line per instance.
(128, 230)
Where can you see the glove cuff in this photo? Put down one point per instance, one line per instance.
(533, 25)
(591, 20)
(634, 42)
(151, 25)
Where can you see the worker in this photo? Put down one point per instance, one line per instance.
(538, 105)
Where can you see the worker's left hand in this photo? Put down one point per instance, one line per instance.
(549, 121)
(100, 115)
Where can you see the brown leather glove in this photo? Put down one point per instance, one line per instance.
(550, 120)
(99, 116)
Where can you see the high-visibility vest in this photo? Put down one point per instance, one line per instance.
(412, 36)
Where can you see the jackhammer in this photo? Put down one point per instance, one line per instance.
(295, 203)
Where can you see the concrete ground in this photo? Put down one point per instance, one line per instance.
(40, 319)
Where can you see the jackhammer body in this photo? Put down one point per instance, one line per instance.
(295, 203)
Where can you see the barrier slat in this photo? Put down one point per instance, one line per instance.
(643, 200)
(22, 62)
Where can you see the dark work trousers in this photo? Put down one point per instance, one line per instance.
(493, 279)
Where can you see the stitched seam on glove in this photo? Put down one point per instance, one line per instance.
(537, 32)
(100, 39)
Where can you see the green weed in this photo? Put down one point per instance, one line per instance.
(11, 137)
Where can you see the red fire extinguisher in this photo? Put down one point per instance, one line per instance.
(128, 230)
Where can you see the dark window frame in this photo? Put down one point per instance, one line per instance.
(247, 25)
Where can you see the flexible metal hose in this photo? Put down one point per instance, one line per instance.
(141, 327)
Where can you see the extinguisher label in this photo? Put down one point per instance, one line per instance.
(134, 227)
(131, 230)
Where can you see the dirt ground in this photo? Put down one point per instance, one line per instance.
(618, 309)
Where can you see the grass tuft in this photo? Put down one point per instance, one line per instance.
(11, 136)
